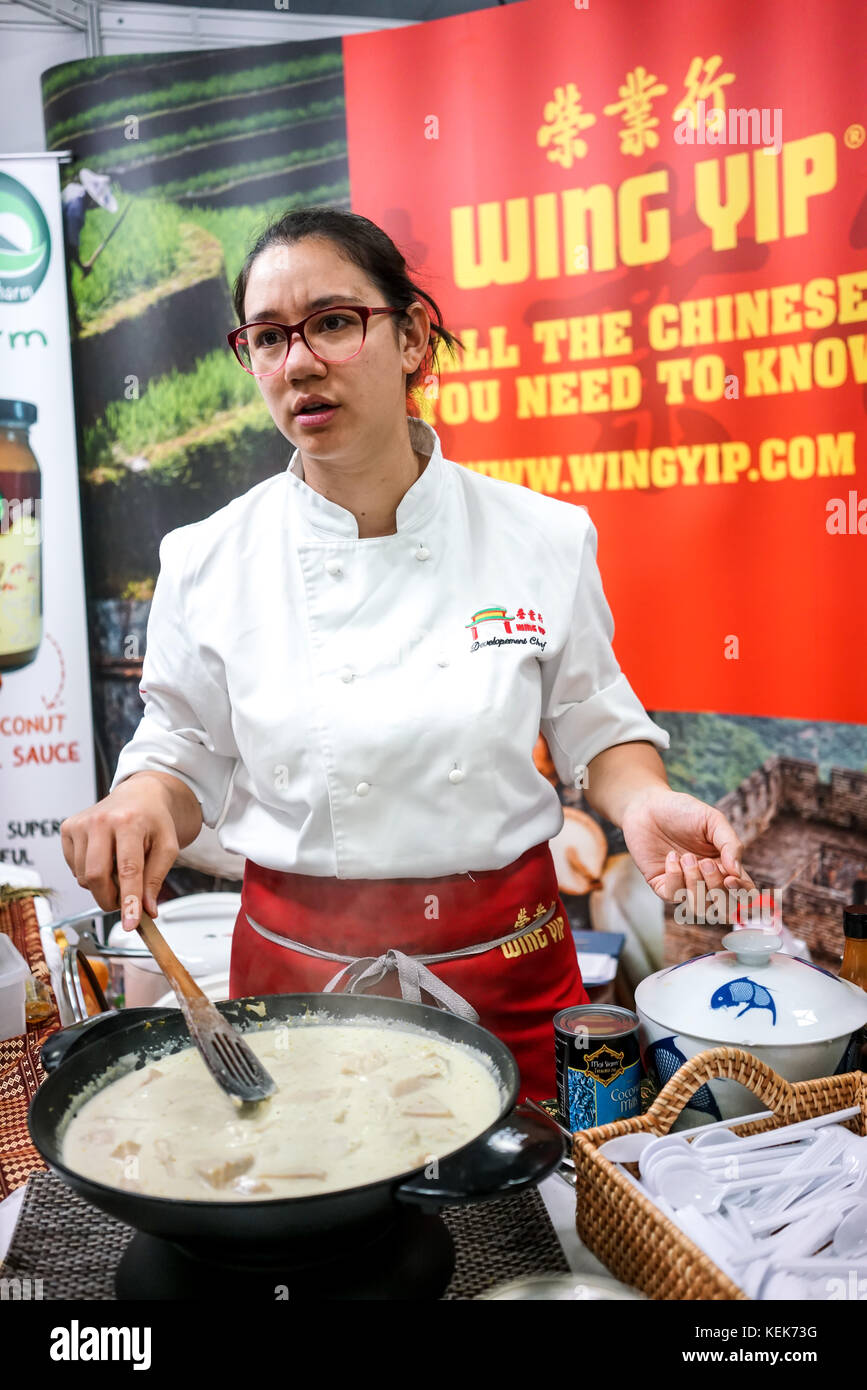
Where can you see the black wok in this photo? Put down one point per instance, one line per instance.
(515, 1152)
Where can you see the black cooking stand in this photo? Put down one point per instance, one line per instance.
(414, 1257)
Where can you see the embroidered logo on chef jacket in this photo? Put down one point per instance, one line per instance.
(521, 621)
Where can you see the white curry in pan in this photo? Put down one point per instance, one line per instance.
(354, 1104)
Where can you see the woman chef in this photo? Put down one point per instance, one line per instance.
(347, 671)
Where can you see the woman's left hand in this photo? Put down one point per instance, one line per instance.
(675, 840)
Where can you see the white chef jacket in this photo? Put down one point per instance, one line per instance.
(368, 708)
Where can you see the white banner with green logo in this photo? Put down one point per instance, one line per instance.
(46, 736)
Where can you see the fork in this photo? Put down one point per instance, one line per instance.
(231, 1061)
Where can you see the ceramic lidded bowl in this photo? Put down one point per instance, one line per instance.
(794, 1016)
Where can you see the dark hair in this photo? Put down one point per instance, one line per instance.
(373, 251)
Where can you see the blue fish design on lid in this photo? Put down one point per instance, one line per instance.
(664, 1057)
(744, 991)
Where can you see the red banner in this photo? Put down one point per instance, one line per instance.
(649, 232)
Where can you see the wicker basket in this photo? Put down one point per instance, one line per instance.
(627, 1232)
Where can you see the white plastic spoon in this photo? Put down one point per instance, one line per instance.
(843, 1197)
(850, 1239)
(626, 1148)
(663, 1145)
(695, 1224)
(804, 1237)
(767, 1162)
(778, 1285)
(827, 1149)
(755, 1247)
(770, 1137)
(820, 1264)
(689, 1186)
(762, 1164)
(718, 1148)
(721, 1126)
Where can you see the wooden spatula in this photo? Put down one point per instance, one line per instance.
(230, 1060)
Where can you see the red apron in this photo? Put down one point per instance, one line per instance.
(375, 930)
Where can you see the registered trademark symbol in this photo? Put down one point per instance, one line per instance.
(854, 136)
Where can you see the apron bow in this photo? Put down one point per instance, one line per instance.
(367, 971)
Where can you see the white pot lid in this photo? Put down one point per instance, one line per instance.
(748, 994)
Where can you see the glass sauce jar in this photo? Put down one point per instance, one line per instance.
(20, 538)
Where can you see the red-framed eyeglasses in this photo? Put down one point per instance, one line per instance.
(335, 334)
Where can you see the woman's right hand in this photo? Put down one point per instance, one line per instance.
(130, 840)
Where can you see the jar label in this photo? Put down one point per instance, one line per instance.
(20, 581)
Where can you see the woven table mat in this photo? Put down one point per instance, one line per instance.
(74, 1249)
(21, 1071)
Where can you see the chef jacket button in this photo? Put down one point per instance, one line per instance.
(333, 566)
(422, 553)
(345, 674)
(456, 775)
(362, 789)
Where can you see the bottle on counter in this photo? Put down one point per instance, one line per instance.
(20, 538)
(854, 965)
(854, 969)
